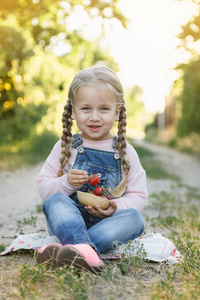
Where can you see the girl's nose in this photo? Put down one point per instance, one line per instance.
(94, 116)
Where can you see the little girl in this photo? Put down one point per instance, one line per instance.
(95, 101)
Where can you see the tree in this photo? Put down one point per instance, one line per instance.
(13, 51)
(189, 97)
(32, 78)
(48, 18)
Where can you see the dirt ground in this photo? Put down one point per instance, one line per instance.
(20, 200)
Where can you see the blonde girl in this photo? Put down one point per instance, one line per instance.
(96, 102)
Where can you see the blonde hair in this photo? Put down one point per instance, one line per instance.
(101, 77)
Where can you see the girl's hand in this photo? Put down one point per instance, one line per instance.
(102, 213)
(77, 177)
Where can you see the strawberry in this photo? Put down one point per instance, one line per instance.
(99, 191)
(94, 179)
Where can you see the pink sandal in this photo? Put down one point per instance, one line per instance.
(81, 256)
(48, 253)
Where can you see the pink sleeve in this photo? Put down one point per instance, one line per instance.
(47, 180)
(135, 195)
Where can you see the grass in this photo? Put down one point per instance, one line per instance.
(29, 151)
(182, 227)
(175, 214)
(29, 220)
(2, 247)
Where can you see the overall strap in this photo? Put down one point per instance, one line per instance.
(76, 140)
(114, 142)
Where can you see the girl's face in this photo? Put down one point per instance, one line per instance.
(95, 111)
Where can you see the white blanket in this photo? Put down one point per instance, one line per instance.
(153, 247)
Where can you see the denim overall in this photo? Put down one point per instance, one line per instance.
(107, 165)
(68, 219)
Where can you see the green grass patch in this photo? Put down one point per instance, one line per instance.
(154, 170)
(27, 221)
(180, 218)
(39, 208)
(2, 247)
(29, 151)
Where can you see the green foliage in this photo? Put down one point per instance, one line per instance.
(129, 262)
(33, 81)
(2, 247)
(190, 100)
(13, 51)
(190, 32)
(68, 281)
(29, 277)
(39, 208)
(136, 114)
(31, 221)
(12, 47)
(29, 151)
(164, 289)
(19, 125)
(49, 18)
(42, 144)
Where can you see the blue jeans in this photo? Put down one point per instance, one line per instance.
(72, 224)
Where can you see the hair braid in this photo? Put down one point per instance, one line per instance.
(66, 136)
(121, 145)
(122, 140)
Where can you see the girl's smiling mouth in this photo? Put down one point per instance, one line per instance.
(94, 127)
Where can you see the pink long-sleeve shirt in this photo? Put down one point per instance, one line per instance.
(49, 183)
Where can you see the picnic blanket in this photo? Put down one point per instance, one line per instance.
(152, 246)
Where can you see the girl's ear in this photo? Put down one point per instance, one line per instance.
(118, 109)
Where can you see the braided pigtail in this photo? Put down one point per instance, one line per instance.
(66, 136)
(121, 140)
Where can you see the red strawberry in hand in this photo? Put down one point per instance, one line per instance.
(94, 179)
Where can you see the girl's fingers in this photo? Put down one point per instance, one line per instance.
(77, 182)
(77, 177)
(102, 213)
(77, 172)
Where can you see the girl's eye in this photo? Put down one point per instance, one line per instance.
(85, 108)
(104, 108)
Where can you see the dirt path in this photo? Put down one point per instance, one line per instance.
(19, 196)
(185, 166)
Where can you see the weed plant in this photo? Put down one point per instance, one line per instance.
(30, 221)
(2, 247)
(39, 208)
(29, 276)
